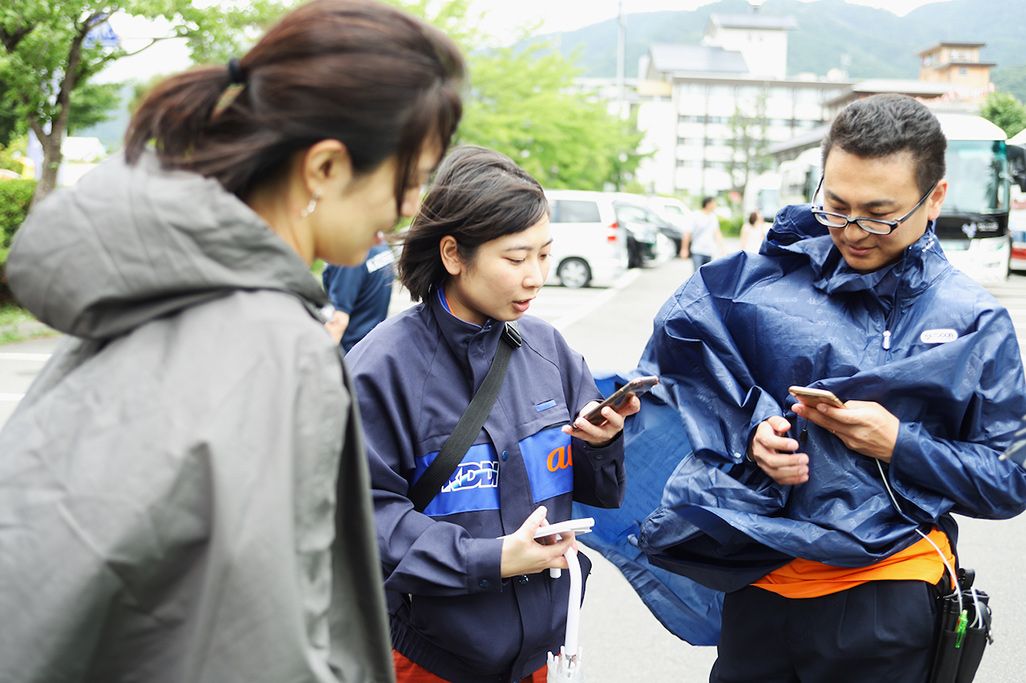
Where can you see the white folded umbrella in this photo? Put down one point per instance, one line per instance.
(567, 665)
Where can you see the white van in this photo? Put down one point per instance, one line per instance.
(589, 247)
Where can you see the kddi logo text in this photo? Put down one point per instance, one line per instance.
(560, 459)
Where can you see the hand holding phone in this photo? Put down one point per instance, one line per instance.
(577, 526)
(812, 397)
(637, 386)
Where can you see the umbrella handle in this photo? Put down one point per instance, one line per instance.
(573, 611)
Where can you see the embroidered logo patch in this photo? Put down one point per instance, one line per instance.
(939, 336)
(473, 486)
(380, 261)
(545, 405)
(549, 463)
(473, 475)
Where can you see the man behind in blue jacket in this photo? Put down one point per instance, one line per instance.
(830, 528)
(360, 294)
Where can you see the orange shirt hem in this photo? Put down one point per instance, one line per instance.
(801, 578)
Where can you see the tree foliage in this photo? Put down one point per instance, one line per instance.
(748, 143)
(523, 102)
(1005, 111)
(49, 56)
(1011, 79)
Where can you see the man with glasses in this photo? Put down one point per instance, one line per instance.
(829, 528)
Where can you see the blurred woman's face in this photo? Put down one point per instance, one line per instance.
(504, 277)
(351, 217)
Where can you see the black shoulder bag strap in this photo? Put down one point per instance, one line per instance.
(437, 474)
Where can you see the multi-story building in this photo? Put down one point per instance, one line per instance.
(957, 64)
(710, 111)
(951, 79)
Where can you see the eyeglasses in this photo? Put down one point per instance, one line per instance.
(874, 226)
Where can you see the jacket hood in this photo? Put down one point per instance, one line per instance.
(130, 243)
(796, 232)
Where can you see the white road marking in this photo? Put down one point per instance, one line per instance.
(625, 281)
(38, 357)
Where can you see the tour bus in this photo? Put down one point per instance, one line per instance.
(973, 225)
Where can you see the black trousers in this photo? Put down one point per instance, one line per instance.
(881, 631)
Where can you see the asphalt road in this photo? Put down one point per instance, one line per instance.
(621, 639)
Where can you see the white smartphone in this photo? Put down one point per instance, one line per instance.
(577, 526)
(810, 397)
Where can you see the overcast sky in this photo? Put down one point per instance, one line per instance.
(566, 15)
(498, 18)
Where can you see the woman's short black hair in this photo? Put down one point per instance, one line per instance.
(478, 195)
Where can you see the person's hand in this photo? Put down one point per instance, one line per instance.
(865, 427)
(336, 327)
(522, 554)
(774, 453)
(600, 435)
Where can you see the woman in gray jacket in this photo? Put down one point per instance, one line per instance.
(183, 493)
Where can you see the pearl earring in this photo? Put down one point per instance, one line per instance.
(310, 207)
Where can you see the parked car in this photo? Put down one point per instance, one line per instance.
(676, 218)
(643, 229)
(1017, 256)
(589, 246)
(1017, 230)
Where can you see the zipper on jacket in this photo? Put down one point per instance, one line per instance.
(891, 320)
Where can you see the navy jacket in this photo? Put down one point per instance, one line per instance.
(731, 340)
(362, 291)
(415, 376)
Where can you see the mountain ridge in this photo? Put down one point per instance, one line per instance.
(877, 43)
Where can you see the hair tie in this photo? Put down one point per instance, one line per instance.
(236, 76)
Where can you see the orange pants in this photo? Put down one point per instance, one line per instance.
(407, 671)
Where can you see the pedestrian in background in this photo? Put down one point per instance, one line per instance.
(830, 528)
(360, 295)
(467, 598)
(185, 492)
(705, 241)
(753, 233)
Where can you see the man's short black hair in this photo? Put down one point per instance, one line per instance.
(882, 125)
(707, 200)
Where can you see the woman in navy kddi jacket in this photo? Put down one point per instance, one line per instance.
(468, 595)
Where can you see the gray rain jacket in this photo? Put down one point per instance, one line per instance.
(183, 491)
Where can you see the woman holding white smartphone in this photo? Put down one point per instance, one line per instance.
(464, 576)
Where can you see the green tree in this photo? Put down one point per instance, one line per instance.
(524, 103)
(748, 143)
(1011, 79)
(48, 56)
(1005, 111)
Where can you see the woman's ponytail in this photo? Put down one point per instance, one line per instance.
(175, 115)
(378, 80)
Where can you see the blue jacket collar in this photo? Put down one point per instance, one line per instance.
(459, 334)
(795, 231)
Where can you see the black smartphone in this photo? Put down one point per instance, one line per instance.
(637, 386)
